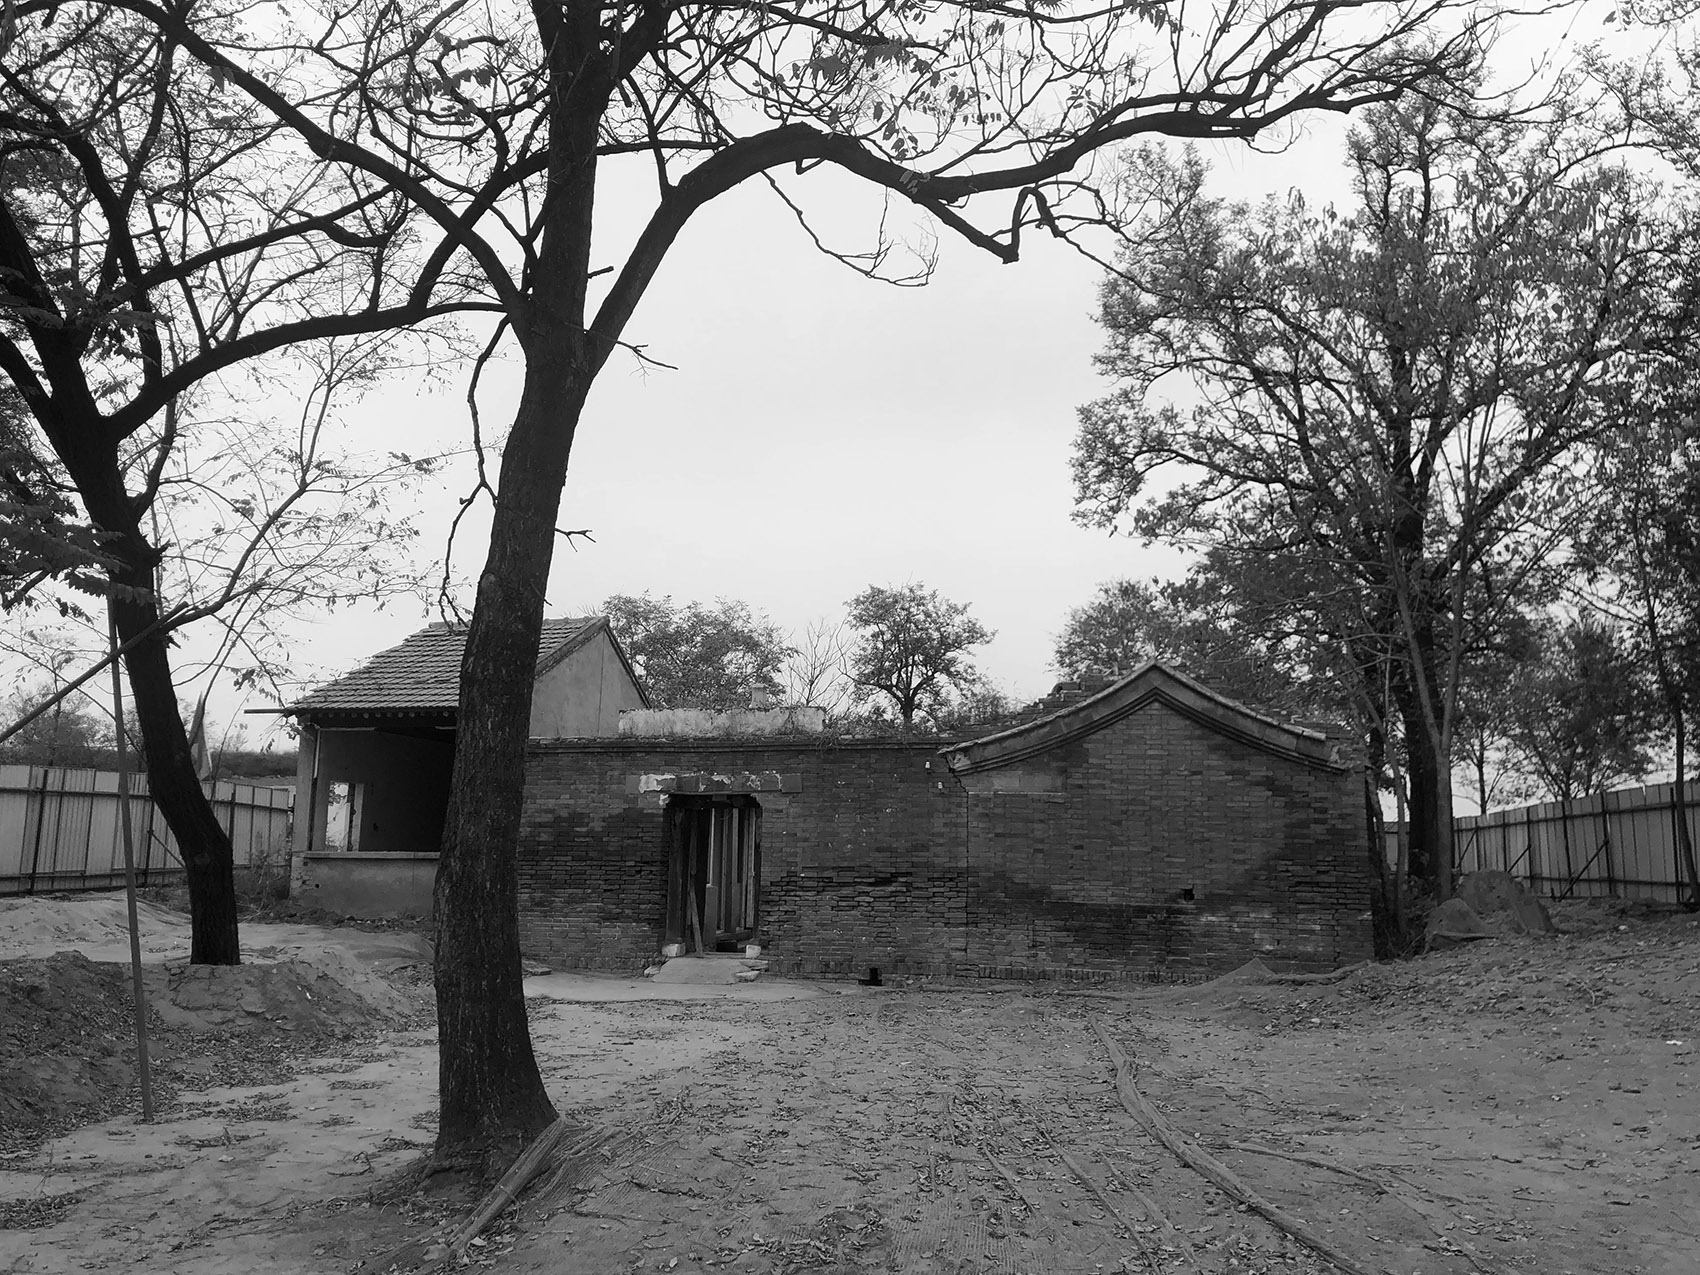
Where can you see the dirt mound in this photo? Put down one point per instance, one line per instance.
(325, 993)
(1455, 922)
(1505, 903)
(65, 1041)
(38, 927)
(1253, 972)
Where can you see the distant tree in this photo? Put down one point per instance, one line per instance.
(71, 733)
(911, 648)
(1212, 624)
(242, 764)
(1482, 749)
(979, 709)
(1581, 712)
(698, 656)
(1127, 623)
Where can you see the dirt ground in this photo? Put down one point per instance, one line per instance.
(1514, 1105)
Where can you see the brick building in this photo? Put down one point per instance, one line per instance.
(1153, 829)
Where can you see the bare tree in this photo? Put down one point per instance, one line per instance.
(154, 234)
(816, 673)
(494, 122)
(260, 518)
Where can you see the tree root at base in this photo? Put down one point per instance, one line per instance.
(428, 1256)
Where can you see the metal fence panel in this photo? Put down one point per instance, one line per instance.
(60, 828)
(1620, 844)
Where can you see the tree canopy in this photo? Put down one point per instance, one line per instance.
(1209, 624)
(911, 650)
(1386, 402)
(697, 656)
(155, 238)
(1581, 709)
(71, 733)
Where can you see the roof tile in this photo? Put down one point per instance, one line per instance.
(422, 674)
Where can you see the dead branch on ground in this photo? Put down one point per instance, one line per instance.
(1212, 1169)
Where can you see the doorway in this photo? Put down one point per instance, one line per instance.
(714, 872)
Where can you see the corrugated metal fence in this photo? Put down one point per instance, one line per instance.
(60, 830)
(1616, 843)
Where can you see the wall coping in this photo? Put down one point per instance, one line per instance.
(743, 744)
(352, 856)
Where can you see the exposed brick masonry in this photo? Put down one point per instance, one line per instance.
(1075, 863)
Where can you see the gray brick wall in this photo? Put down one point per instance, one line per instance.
(1074, 864)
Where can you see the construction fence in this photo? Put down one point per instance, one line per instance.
(60, 829)
(1620, 844)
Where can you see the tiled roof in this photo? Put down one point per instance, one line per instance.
(422, 675)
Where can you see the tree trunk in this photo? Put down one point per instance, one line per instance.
(492, 1097)
(1431, 808)
(175, 786)
(176, 789)
(1423, 702)
(1383, 908)
(1423, 794)
(1443, 849)
(1679, 810)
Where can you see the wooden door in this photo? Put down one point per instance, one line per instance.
(714, 888)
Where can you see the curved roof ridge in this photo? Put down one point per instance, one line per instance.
(1151, 681)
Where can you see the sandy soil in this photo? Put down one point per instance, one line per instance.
(1515, 1105)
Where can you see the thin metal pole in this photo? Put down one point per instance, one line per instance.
(40, 823)
(144, 1066)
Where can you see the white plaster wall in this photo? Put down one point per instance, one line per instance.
(582, 696)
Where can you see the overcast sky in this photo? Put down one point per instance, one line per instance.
(824, 432)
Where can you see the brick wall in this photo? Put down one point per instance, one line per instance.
(1160, 847)
(861, 865)
(1076, 863)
